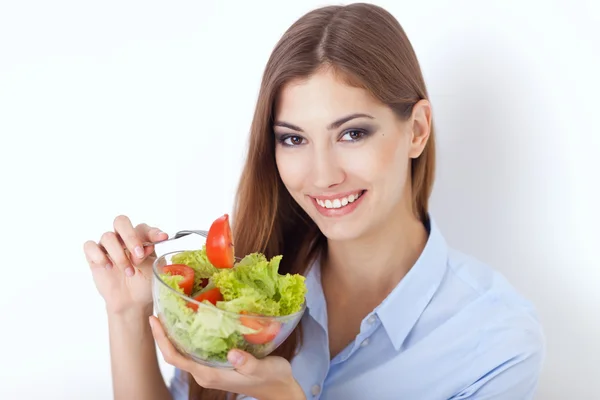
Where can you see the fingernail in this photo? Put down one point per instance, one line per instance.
(151, 321)
(139, 252)
(236, 358)
(108, 266)
(129, 271)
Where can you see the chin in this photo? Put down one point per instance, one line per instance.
(340, 231)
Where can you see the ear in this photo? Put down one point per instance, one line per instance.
(421, 127)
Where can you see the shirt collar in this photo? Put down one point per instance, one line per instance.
(401, 309)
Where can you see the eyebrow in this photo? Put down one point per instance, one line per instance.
(333, 125)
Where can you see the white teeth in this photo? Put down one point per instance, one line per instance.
(338, 203)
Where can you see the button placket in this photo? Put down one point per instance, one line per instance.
(369, 329)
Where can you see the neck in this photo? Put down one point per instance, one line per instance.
(376, 262)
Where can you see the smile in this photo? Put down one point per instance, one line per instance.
(338, 205)
(339, 202)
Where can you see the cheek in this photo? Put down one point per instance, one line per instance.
(394, 158)
(381, 160)
(291, 169)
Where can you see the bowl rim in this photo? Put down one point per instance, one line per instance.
(292, 316)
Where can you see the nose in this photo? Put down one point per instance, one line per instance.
(326, 169)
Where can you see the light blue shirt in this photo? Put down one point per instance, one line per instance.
(453, 328)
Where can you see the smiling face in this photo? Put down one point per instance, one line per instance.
(344, 156)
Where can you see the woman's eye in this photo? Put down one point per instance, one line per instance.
(353, 136)
(292, 140)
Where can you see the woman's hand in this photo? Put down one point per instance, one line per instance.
(122, 267)
(266, 379)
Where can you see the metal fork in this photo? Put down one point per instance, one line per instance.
(178, 235)
(181, 234)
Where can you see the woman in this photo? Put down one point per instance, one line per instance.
(338, 176)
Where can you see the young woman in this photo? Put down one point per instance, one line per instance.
(337, 180)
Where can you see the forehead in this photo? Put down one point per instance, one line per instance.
(322, 96)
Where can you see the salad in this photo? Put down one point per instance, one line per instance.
(232, 295)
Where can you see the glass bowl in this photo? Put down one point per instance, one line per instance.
(206, 333)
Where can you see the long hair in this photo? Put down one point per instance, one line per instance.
(365, 45)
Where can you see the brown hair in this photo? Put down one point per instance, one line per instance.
(364, 44)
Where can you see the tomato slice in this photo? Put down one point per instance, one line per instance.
(219, 243)
(267, 329)
(187, 283)
(213, 295)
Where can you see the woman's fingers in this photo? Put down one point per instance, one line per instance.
(128, 234)
(251, 376)
(169, 352)
(245, 363)
(115, 251)
(123, 247)
(94, 255)
(206, 377)
(224, 379)
(150, 234)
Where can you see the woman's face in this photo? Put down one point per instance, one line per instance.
(344, 156)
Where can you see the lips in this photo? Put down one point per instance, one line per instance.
(337, 205)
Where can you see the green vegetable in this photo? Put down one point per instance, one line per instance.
(208, 333)
(197, 260)
(172, 281)
(253, 285)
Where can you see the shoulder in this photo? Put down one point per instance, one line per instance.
(466, 284)
(509, 342)
(488, 293)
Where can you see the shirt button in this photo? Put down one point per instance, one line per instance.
(364, 342)
(372, 319)
(315, 390)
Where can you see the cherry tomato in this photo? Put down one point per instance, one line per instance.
(187, 283)
(267, 329)
(213, 295)
(219, 243)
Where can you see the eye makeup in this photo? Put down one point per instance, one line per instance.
(348, 135)
(356, 134)
(289, 139)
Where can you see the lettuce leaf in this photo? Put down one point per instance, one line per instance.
(291, 293)
(198, 261)
(207, 334)
(254, 285)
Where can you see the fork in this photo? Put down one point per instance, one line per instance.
(181, 234)
(178, 235)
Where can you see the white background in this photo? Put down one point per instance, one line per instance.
(144, 107)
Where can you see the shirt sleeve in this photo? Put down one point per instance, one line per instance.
(179, 386)
(511, 362)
